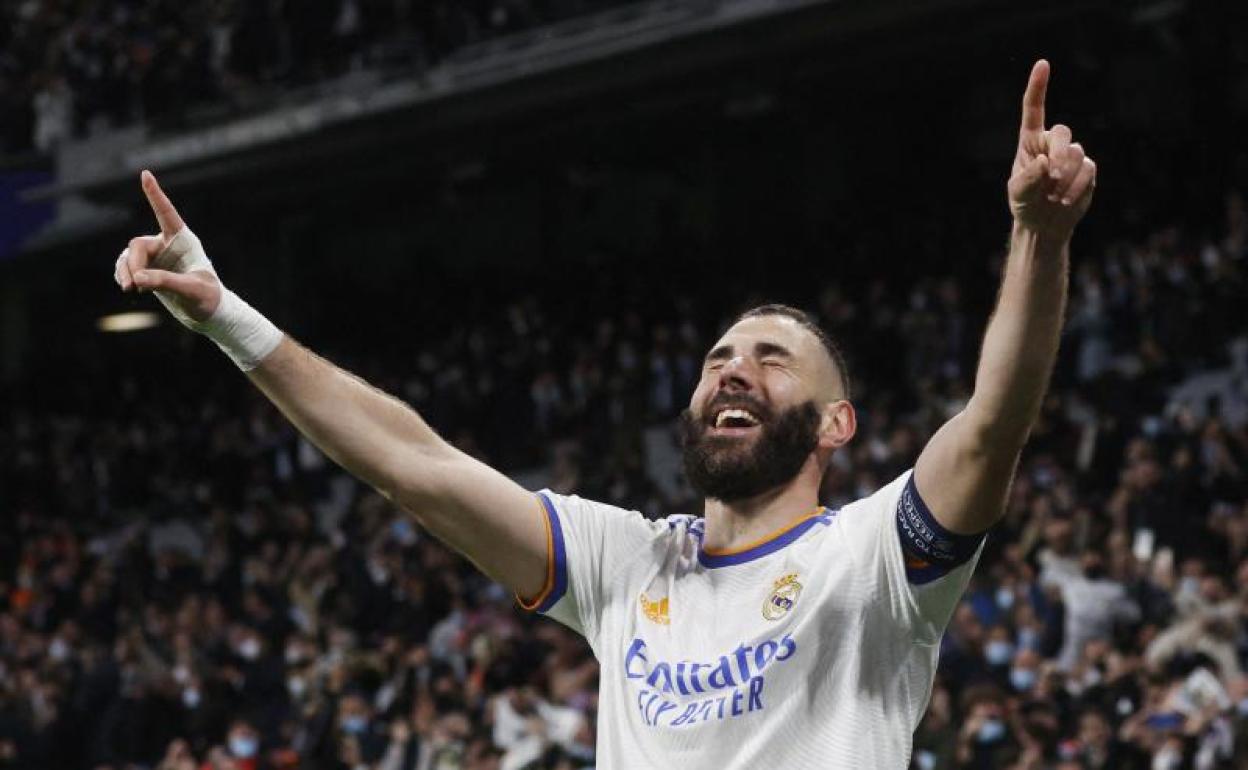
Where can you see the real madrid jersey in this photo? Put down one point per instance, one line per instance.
(815, 647)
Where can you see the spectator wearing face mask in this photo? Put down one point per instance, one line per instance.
(258, 677)
(1024, 671)
(999, 652)
(987, 740)
(361, 740)
(243, 745)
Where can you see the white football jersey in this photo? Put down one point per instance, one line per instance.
(809, 648)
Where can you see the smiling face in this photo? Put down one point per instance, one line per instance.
(769, 401)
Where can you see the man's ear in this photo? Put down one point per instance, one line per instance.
(837, 425)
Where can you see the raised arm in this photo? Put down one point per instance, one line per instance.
(473, 508)
(964, 472)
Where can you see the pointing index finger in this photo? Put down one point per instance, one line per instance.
(1033, 99)
(166, 215)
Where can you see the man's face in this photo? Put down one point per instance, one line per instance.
(755, 417)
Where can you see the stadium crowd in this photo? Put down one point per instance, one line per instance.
(69, 66)
(188, 584)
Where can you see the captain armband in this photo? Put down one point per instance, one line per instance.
(930, 550)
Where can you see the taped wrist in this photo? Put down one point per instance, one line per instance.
(239, 330)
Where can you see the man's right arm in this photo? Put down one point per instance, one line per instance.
(473, 508)
(463, 502)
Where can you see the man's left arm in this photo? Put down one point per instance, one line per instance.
(964, 473)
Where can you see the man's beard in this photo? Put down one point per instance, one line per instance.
(728, 468)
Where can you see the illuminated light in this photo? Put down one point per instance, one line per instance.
(128, 322)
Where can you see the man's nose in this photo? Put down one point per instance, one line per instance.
(736, 372)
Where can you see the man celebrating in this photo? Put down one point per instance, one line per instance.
(770, 632)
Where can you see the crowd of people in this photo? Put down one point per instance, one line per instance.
(68, 67)
(189, 584)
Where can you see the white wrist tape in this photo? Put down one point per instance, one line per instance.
(239, 330)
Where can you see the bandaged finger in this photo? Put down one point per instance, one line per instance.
(184, 254)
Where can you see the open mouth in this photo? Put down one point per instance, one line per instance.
(734, 421)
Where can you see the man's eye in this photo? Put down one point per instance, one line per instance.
(714, 367)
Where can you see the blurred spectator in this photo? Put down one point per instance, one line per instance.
(68, 67)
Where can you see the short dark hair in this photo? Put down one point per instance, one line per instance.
(807, 322)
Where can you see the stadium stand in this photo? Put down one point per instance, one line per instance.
(67, 68)
(192, 583)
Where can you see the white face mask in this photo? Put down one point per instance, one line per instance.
(355, 724)
(992, 731)
(243, 746)
(297, 686)
(998, 652)
(250, 648)
(58, 650)
(1022, 679)
(1028, 638)
(191, 698)
(1125, 707)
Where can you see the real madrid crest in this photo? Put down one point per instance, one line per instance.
(783, 597)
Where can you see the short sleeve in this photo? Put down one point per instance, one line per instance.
(587, 544)
(899, 569)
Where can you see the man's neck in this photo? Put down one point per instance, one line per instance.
(735, 525)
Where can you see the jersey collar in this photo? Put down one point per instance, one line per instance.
(771, 543)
